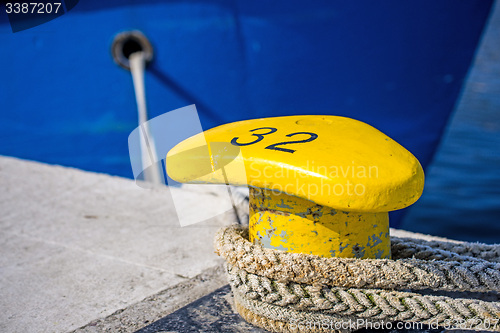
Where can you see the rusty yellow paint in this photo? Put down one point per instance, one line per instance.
(319, 184)
(282, 222)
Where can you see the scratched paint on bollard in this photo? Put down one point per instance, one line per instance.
(292, 224)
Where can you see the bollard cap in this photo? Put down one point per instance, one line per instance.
(333, 161)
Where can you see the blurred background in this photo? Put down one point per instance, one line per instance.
(462, 192)
(426, 73)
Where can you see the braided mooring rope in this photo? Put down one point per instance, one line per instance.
(278, 290)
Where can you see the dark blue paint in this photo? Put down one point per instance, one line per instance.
(397, 65)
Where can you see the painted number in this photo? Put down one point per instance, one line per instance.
(274, 146)
(312, 137)
(260, 136)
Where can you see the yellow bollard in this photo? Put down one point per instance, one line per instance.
(318, 184)
(292, 224)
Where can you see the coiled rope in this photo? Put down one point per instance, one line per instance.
(278, 290)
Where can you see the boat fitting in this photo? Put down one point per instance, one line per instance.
(128, 42)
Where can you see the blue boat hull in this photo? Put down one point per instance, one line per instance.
(397, 65)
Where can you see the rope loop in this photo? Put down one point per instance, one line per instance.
(281, 291)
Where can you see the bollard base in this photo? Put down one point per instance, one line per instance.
(288, 223)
